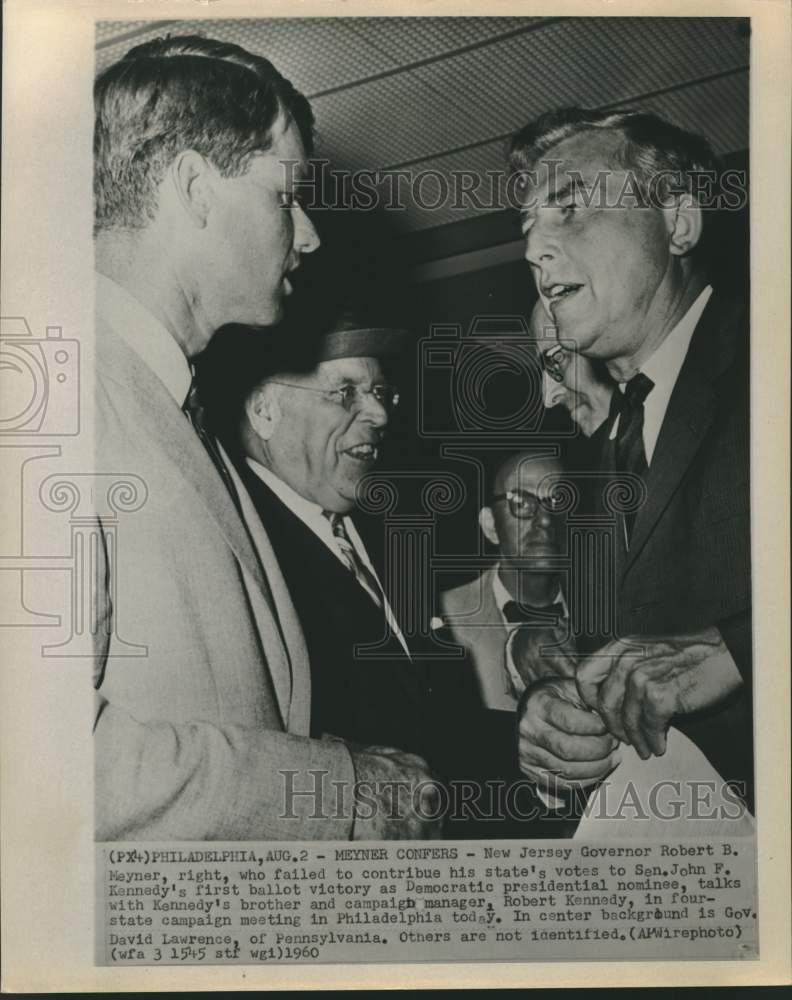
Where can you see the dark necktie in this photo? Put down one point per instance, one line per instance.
(196, 414)
(521, 614)
(629, 452)
(352, 560)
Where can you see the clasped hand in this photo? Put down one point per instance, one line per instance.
(638, 690)
(629, 690)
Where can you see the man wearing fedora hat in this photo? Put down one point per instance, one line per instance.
(309, 435)
(304, 419)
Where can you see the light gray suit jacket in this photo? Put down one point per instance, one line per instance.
(474, 620)
(192, 738)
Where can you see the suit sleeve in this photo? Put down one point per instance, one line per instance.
(199, 781)
(737, 634)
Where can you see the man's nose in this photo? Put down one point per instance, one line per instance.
(540, 245)
(373, 411)
(306, 238)
(544, 517)
(553, 392)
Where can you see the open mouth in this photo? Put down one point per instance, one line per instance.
(558, 293)
(363, 452)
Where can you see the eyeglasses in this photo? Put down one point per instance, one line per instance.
(524, 505)
(555, 360)
(352, 397)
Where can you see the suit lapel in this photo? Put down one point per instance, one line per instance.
(483, 629)
(336, 612)
(689, 416)
(272, 510)
(291, 672)
(163, 419)
(300, 538)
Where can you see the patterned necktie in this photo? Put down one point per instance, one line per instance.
(196, 414)
(629, 451)
(527, 614)
(351, 559)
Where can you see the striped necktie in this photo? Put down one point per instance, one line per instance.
(352, 560)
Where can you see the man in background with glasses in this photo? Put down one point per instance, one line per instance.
(523, 519)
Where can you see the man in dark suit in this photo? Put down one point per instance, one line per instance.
(308, 438)
(613, 228)
(304, 426)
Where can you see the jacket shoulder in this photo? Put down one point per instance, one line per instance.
(465, 597)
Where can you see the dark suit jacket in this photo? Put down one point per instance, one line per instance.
(428, 708)
(366, 700)
(688, 566)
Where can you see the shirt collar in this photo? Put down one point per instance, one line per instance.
(664, 365)
(502, 595)
(145, 335)
(306, 510)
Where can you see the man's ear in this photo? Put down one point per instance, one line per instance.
(487, 525)
(263, 411)
(685, 224)
(192, 177)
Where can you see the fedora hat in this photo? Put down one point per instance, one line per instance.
(352, 337)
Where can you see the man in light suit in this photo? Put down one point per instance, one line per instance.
(198, 146)
(613, 223)
(522, 591)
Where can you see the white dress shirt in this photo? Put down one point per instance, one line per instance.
(145, 335)
(312, 516)
(663, 368)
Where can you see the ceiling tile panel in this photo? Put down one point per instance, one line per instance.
(719, 108)
(318, 54)
(314, 53)
(488, 92)
(107, 30)
(411, 39)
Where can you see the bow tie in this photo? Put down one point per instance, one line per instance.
(516, 614)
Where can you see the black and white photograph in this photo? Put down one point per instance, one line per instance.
(395, 508)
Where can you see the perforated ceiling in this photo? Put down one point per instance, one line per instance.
(444, 93)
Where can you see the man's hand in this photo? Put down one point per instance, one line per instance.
(396, 797)
(539, 652)
(638, 693)
(561, 744)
